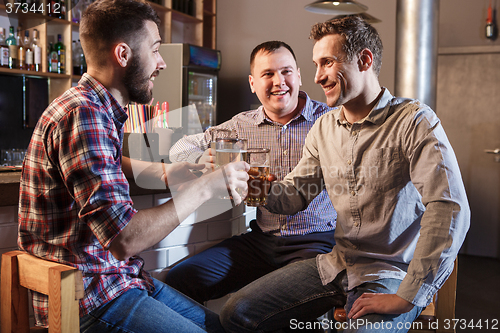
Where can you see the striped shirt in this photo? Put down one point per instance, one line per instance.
(285, 143)
(74, 198)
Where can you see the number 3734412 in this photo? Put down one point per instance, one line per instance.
(34, 8)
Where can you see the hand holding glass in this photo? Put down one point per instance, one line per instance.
(258, 183)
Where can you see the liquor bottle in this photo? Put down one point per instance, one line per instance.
(30, 65)
(37, 52)
(11, 42)
(61, 55)
(52, 59)
(4, 50)
(62, 10)
(83, 62)
(21, 51)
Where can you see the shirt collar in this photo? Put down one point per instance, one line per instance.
(306, 112)
(116, 111)
(376, 116)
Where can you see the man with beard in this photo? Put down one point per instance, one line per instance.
(395, 183)
(75, 206)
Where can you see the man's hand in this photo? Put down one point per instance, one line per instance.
(379, 303)
(177, 174)
(208, 159)
(232, 177)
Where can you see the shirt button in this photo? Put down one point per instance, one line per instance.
(284, 127)
(356, 224)
(354, 133)
(285, 152)
(348, 162)
(353, 193)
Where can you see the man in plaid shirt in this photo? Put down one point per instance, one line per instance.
(75, 206)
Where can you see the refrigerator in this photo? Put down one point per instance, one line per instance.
(189, 85)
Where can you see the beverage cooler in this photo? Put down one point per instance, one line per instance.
(189, 85)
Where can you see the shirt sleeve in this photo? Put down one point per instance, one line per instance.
(436, 175)
(90, 165)
(191, 147)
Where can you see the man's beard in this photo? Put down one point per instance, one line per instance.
(136, 83)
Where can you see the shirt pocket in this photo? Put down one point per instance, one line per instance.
(382, 169)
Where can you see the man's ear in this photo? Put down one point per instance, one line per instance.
(365, 60)
(250, 81)
(300, 78)
(122, 54)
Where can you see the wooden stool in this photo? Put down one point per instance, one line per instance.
(63, 284)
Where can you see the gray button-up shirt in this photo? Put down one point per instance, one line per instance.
(395, 183)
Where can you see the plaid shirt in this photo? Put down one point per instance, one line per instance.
(74, 198)
(285, 142)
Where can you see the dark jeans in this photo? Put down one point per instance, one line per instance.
(292, 297)
(239, 260)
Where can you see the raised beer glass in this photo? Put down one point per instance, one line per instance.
(258, 183)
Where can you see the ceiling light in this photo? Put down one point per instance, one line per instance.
(340, 7)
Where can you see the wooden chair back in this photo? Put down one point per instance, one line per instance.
(63, 284)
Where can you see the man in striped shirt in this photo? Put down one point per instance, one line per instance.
(75, 206)
(280, 124)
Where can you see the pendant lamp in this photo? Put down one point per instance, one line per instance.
(339, 7)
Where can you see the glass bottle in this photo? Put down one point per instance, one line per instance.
(61, 55)
(12, 44)
(52, 59)
(37, 52)
(21, 51)
(4, 49)
(28, 51)
(62, 10)
(83, 62)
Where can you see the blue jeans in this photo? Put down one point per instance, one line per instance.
(292, 297)
(164, 310)
(239, 260)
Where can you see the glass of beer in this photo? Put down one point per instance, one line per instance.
(229, 150)
(258, 183)
(220, 133)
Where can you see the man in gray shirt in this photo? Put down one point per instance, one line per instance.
(395, 183)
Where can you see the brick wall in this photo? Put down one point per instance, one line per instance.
(210, 224)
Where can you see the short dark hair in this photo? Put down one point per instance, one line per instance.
(106, 23)
(268, 47)
(357, 34)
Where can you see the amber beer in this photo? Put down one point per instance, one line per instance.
(258, 186)
(258, 181)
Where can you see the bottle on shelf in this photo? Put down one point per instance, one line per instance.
(83, 62)
(12, 44)
(79, 63)
(21, 51)
(52, 59)
(61, 55)
(28, 52)
(37, 51)
(62, 9)
(4, 50)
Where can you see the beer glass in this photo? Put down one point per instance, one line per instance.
(229, 150)
(220, 133)
(258, 183)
